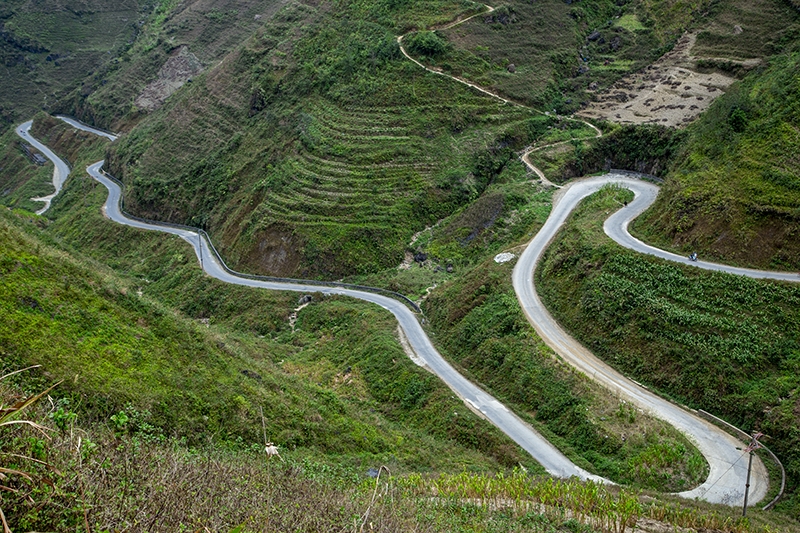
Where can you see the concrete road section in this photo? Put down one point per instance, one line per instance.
(60, 170)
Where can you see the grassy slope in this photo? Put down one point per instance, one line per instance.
(482, 49)
(328, 149)
(340, 384)
(111, 480)
(722, 343)
(479, 324)
(734, 194)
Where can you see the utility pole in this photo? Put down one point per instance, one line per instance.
(754, 445)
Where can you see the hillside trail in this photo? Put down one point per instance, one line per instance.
(528, 150)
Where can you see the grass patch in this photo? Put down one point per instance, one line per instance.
(630, 22)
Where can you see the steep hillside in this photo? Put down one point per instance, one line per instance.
(319, 151)
(48, 47)
(335, 384)
(734, 192)
(546, 54)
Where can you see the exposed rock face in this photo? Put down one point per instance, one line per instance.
(176, 71)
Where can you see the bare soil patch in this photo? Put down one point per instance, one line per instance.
(176, 71)
(670, 92)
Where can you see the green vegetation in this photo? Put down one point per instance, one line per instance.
(478, 323)
(630, 22)
(648, 148)
(764, 28)
(733, 194)
(337, 384)
(22, 180)
(326, 157)
(310, 147)
(48, 47)
(726, 344)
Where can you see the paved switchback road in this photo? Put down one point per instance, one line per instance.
(60, 170)
(476, 399)
(728, 465)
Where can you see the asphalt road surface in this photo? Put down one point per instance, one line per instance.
(60, 170)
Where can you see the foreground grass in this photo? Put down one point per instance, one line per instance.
(722, 343)
(103, 477)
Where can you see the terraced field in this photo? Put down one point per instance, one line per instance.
(363, 172)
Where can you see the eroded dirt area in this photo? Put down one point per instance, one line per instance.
(176, 71)
(671, 91)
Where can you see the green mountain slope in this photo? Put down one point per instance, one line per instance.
(318, 154)
(734, 193)
(47, 48)
(336, 384)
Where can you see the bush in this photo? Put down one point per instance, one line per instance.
(426, 43)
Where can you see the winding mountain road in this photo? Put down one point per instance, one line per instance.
(476, 399)
(727, 462)
(60, 170)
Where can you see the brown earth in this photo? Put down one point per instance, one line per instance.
(671, 92)
(176, 71)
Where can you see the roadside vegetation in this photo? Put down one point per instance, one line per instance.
(22, 180)
(722, 343)
(336, 383)
(110, 475)
(733, 194)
